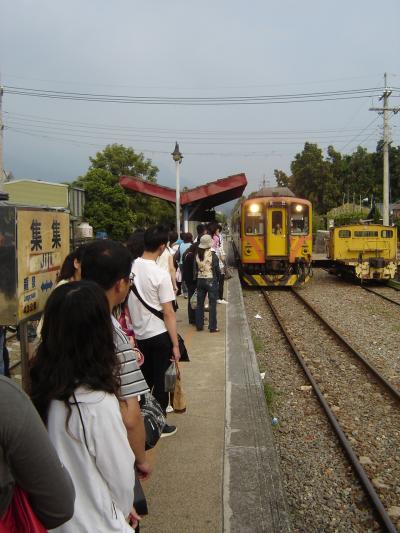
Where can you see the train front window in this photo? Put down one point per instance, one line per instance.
(299, 219)
(254, 220)
(366, 233)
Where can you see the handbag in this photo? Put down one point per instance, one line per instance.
(20, 517)
(153, 418)
(178, 396)
(193, 300)
(159, 314)
(228, 272)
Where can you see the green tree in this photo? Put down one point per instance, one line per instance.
(107, 205)
(115, 210)
(120, 160)
(282, 179)
(394, 169)
(312, 178)
(361, 178)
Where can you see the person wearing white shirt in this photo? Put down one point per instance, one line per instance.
(75, 388)
(156, 337)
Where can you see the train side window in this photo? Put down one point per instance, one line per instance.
(366, 233)
(387, 233)
(254, 223)
(299, 219)
(344, 233)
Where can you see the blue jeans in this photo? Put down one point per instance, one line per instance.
(210, 287)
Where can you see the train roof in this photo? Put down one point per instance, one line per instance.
(272, 191)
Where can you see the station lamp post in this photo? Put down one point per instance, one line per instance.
(177, 157)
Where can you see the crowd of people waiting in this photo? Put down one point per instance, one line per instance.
(107, 336)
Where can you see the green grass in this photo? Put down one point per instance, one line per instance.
(257, 343)
(271, 395)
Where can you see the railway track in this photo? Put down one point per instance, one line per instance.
(351, 392)
(382, 295)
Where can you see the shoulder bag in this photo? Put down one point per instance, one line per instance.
(159, 314)
(20, 517)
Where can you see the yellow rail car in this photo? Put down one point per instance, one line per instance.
(272, 238)
(366, 251)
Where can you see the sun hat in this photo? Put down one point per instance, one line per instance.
(206, 241)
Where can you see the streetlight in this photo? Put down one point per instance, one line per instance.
(177, 157)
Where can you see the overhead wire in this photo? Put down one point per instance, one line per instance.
(348, 94)
(116, 133)
(146, 150)
(237, 132)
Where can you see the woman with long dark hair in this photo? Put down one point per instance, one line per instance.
(188, 277)
(207, 274)
(75, 387)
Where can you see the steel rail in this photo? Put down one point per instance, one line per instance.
(393, 391)
(395, 284)
(357, 466)
(381, 295)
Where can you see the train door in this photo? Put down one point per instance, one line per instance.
(276, 232)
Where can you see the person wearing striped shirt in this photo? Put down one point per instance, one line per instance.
(108, 263)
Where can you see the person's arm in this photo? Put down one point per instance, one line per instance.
(133, 385)
(170, 324)
(172, 272)
(215, 266)
(33, 460)
(133, 422)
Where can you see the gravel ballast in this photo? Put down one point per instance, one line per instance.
(322, 491)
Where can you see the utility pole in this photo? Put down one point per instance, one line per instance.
(2, 173)
(386, 180)
(177, 157)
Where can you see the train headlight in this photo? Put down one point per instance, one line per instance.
(254, 208)
(299, 208)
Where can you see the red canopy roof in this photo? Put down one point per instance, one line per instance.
(209, 195)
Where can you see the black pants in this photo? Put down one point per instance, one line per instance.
(157, 353)
(221, 287)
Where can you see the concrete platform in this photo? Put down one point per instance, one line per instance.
(220, 472)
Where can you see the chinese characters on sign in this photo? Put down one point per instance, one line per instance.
(40, 256)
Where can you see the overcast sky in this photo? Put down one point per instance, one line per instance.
(185, 48)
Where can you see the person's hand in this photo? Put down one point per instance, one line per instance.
(139, 357)
(176, 354)
(133, 518)
(143, 470)
(132, 342)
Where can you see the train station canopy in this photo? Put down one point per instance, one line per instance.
(195, 201)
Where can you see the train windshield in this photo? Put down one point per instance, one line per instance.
(299, 221)
(254, 220)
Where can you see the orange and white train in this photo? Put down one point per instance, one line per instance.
(272, 238)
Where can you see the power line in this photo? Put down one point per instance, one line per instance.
(236, 132)
(194, 101)
(359, 134)
(77, 133)
(149, 151)
(117, 133)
